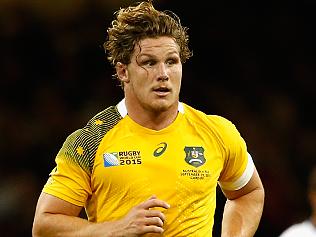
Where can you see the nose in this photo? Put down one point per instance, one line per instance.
(162, 72)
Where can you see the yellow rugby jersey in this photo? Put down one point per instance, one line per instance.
(113, 164)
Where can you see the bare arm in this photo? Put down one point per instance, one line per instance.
(56, 217)
(243, 209)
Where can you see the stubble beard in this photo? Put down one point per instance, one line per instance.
(158, 106)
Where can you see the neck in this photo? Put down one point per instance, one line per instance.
(155, 120)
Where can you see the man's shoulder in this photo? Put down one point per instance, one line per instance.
(103, 120)
(97, 126)
(81, 145)
(199, 115)
(221, 127)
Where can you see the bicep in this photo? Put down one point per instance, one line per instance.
(253, 184)
(49, 204)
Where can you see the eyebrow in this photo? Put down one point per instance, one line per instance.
(145, 55)
(154, 56)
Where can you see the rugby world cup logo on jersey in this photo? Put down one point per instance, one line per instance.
(194, 155)
(122, 158)
(111, 159)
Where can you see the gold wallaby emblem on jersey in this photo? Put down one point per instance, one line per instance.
(194, 155)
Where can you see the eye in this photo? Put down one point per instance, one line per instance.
(172, 61)
(149, 62)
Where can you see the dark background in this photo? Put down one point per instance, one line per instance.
(253, 63)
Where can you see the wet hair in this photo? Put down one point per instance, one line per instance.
(135, 23)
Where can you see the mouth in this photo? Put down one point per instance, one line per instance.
(162, 91)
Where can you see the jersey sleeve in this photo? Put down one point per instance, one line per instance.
(238, 165)
(70, 179)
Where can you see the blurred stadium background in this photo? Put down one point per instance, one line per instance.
(254, 63)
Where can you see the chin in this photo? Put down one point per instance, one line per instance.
(162, 106)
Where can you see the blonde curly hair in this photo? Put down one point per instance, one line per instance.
(135, 23)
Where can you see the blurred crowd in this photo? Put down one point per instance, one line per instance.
(253, 64)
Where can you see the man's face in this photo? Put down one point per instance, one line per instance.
(153, 78)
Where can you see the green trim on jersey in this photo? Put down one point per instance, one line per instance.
(81, 146)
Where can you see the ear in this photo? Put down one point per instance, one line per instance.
(121, 71)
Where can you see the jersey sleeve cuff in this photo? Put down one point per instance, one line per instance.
(242, 180)
(63, 197)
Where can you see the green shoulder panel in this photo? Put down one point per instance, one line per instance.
(81, 146)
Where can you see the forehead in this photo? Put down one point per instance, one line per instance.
(160, 45)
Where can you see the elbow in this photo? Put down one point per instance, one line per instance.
(258, 197)
(262, 191)
(38, 228)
